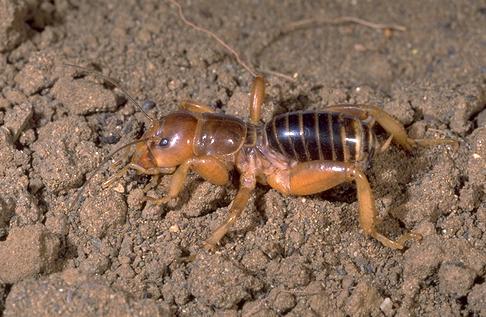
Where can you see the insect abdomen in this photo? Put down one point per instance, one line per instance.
(330, 136)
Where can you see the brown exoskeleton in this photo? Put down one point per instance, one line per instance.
(296, 153)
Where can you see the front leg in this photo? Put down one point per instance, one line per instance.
(151, 171)
(208, 167)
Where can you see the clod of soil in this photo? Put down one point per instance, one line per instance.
(68, 292)
(28, 251)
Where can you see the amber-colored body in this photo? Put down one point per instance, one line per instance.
(298, 153)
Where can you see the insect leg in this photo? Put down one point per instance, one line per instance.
(109, 182)
(138, 168)
(194, 106)
(257, 96)
(207, 167)
(390, 124)
(211, 169)
(317, 176)
(151, 171)
(247, 184)
(367, 214)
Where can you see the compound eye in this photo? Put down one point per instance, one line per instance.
(164, 142)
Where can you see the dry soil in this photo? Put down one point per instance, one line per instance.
(114, 255)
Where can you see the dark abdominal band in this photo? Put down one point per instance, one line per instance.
(309, 136)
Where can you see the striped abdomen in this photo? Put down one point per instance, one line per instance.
(331, 136)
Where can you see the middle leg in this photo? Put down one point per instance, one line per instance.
(194, 106)
(247, 184)
(257, 95)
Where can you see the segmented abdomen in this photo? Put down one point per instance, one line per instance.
(331, 136)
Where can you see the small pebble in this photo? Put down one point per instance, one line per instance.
(119, 188)
(148, 104)
(387, 307)
(174, 228)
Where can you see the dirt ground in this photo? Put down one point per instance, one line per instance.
(115, 255)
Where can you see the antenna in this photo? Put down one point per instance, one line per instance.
(114, 83)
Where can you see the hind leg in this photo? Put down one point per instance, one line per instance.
(390, 124)
(317, 176)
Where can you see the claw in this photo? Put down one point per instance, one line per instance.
(209, 245)
(398, 244)
(158, 201)
(386, 145)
